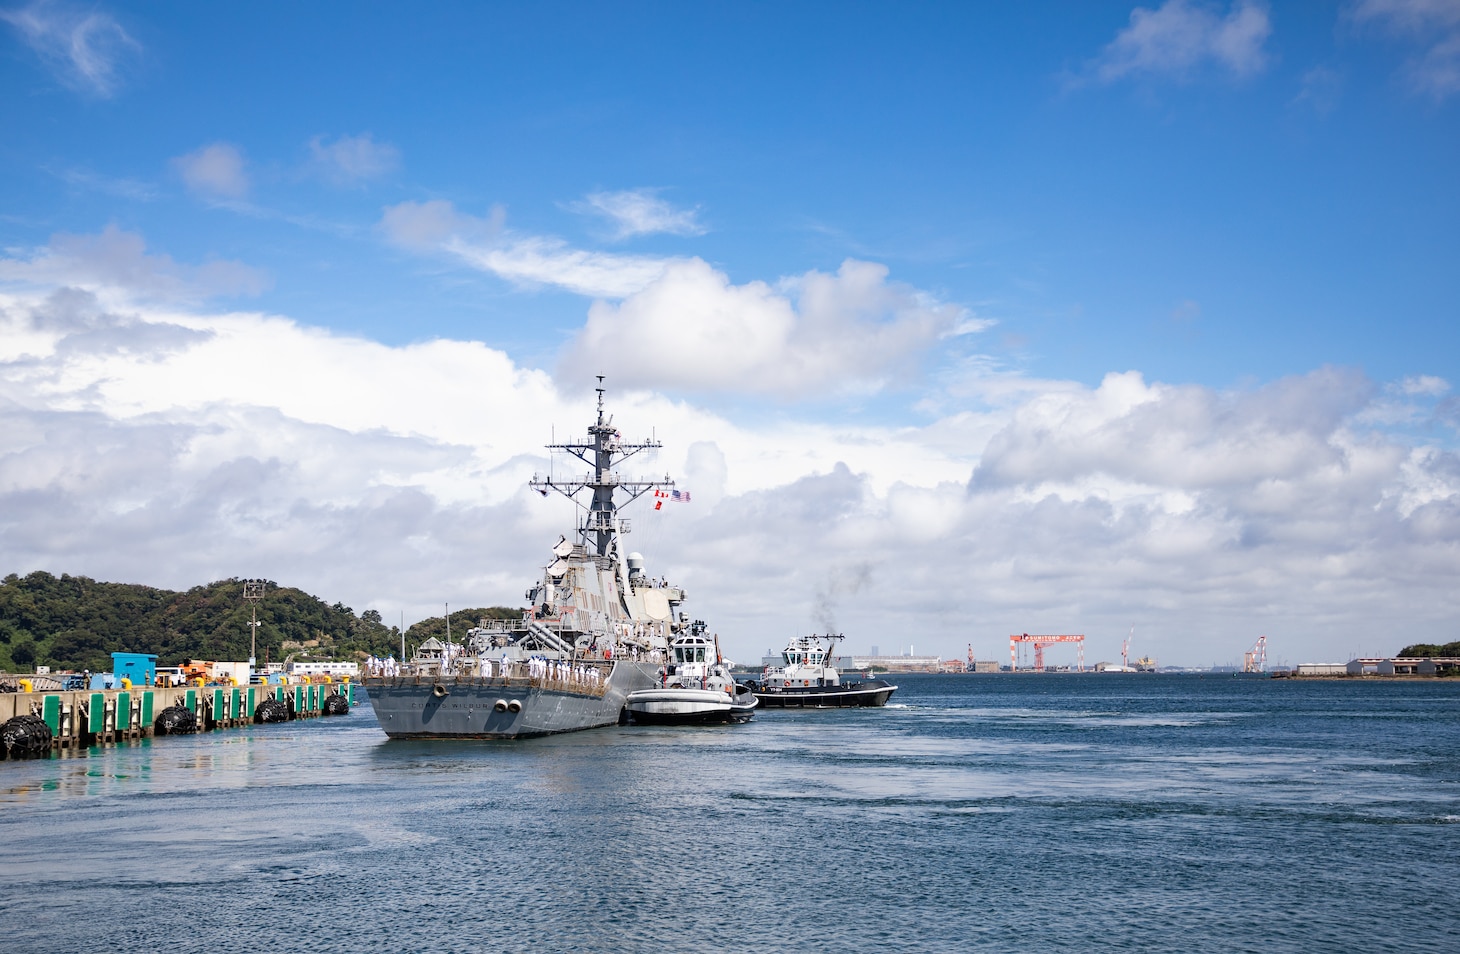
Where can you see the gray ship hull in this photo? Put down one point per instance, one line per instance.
(411, 707)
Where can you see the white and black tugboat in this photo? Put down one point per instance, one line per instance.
(695, 686)
(807, 680)
(596, 629)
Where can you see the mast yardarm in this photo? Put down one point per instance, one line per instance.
(603, 449)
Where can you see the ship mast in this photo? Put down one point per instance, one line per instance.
(603, 448)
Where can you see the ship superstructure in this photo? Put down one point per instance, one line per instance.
(595, 629)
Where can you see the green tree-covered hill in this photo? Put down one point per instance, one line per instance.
(1430, 649)
(72, 622)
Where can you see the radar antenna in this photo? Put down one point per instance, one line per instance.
(601, 450)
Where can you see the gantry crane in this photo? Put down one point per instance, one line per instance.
(1039, 643)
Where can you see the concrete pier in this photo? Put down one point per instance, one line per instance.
(89, 717)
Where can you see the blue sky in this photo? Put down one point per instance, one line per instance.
(1201, 225)
(1234, 202)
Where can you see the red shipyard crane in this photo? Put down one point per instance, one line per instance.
(1039, 643)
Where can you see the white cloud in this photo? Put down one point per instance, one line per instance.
(1165, 437)
(1319, 89)
(1182, 36)
(537, 260)
(640, 212)
(1433, 25)
(214, 171)
(171, 445)
(121, 187)
(353, 160)
(86, 48)
(1426, 384)
(427, 226)
(117, 261)
(524, 260)
(693, 330)
(1413, 15)
(682, 324)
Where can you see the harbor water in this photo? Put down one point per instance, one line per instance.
(976, 813)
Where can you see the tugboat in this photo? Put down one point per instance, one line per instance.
(805, 681)
(595, 630)
(695, 686)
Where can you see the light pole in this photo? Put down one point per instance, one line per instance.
(253, 591)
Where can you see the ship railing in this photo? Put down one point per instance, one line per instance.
(587, 679)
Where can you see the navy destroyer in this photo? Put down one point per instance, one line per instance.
(596, 628)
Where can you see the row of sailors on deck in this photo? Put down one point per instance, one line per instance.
(559, 670)
(537, 667)
(375, 666)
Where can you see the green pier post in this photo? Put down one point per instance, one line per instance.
(51, 713)
(124, 711)
(96, 714)
(146, 708)
(191, 701)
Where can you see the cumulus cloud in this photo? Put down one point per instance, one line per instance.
(214, 171)
(1166, 437)
(1205, 517)
(1182, 36)
(680, 323)
(258, 445)
(694, 330)
(352, 160)
(85, 48)
(1433, 26)
(170, 444)
(640, 212)
(117, 261)
(528, 261)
